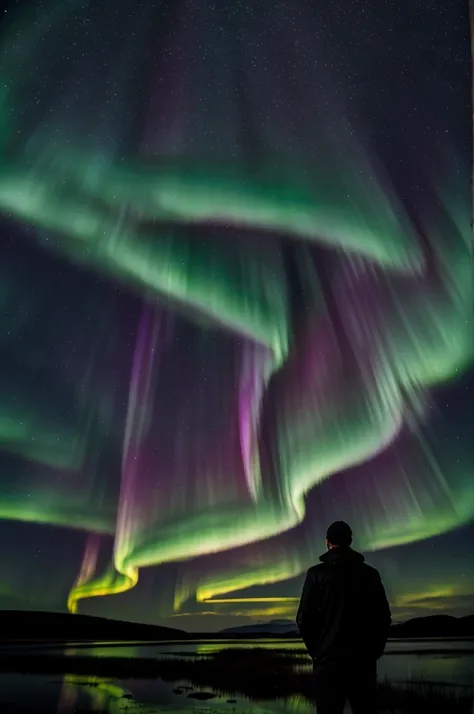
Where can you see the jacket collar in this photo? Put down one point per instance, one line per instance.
(342, 554)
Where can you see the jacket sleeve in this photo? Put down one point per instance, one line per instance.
(380, 612)
(306, 617)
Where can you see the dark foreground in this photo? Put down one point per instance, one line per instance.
(255, 674)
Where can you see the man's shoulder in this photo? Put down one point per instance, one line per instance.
(371, 571)
(370, 576)
(317, 571)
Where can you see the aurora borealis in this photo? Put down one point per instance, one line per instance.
(237, 286)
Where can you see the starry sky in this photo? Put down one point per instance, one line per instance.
(236, 283)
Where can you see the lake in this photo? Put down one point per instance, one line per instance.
(446, 664)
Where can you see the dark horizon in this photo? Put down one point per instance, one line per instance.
(40, 625)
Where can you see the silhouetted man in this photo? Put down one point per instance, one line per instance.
(344, 618)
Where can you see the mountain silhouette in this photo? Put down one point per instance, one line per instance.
(430, 626)
(274, 627)
(435, 626)
(61, 626)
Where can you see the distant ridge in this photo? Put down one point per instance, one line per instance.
(274, 627)
(30, 626)
(435, 626)
(430, 626)
(60, 627)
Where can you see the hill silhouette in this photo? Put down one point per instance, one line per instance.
(274, 627)
(430, 626)
(435, 626)
(59, 626)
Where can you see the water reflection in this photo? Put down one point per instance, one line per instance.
(441, 660)
(147, 678)
(101, 693)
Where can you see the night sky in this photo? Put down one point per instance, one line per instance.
(236, 286)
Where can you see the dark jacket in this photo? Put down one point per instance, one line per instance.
(343, 612)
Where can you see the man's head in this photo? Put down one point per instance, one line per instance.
(338, 534)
